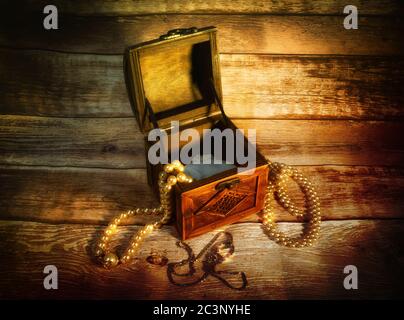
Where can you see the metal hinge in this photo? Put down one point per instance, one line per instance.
(175, 33)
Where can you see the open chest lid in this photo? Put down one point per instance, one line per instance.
(175, 78)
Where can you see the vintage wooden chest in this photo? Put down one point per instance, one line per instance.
(177, 78)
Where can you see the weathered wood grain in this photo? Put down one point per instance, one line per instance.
(300, 142)
(117, 142)
(110, 142)
(276, 34)
(254, 86)
(130, 7)
(58, 84)
(264, 86)
(273, 272)
(75, 195)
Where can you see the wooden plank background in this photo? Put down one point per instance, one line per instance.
(261, 79)
(278, 272)
(326, 99)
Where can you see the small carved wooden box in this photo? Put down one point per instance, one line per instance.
(177, 78)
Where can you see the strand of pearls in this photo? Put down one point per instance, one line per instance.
(170, 176)
(276, 186)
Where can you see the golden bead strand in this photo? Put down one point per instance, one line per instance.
(170, 176)
(276, 186)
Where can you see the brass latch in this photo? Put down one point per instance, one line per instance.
(175, 33)
(228, 184)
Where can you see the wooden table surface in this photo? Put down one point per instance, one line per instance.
(325, 99)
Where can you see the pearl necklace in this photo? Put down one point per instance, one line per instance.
(173, 173)
(276, 186)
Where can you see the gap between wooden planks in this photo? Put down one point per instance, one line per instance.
(254, 86)
(275, 34)
(274, 272)
(79, 195)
